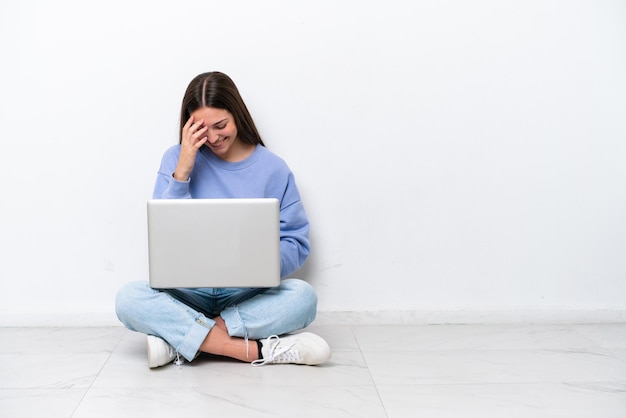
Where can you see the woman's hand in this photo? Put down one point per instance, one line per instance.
(193, 137)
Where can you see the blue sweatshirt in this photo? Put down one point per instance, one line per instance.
(262, 174)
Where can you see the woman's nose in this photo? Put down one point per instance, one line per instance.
(213, 137)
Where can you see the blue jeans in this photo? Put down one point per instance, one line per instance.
(182, 317)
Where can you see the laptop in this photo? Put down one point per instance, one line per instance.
(213, 243)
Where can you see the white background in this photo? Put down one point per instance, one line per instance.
(453, 156)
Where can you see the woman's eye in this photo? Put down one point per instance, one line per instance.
(220, 127)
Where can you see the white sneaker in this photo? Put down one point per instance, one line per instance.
(304, 348)
(160, 353)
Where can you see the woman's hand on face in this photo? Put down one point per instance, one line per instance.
(193, 137)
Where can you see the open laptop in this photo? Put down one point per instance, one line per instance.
(214, 243)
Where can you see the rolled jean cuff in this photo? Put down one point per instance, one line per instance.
(193, 339)
(233, 322)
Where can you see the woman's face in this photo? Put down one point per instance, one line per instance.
(221, 133)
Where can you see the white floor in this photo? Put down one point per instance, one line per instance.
(378, 371)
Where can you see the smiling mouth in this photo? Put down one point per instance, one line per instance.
(218, 143)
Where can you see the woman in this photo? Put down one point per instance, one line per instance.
(221, 155)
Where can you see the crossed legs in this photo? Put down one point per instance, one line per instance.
(236, 327)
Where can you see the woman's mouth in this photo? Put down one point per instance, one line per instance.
(218, 144)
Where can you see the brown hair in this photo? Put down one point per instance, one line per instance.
(215, 89)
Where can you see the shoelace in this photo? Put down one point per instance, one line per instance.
(179, 360)
(171, 353)
(277, 354)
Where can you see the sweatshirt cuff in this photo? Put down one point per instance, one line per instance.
(177, 189)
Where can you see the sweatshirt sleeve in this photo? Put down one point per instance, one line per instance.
(166, 186)
(294, 231)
